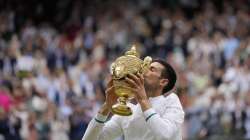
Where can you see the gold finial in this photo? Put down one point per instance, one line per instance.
(132, 51)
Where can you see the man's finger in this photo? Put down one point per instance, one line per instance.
(108, 90)
(134, 78)
(140, 77)
(130, 82)
(110, 82)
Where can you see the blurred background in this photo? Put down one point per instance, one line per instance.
(55, 57)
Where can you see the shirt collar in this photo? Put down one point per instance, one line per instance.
(153, 99)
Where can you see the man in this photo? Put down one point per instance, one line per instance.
(155, 117)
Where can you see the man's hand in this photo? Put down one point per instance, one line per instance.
(111, 99)
(137, 83)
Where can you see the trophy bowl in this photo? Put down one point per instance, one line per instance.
(130, 63)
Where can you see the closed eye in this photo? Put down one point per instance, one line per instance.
(153, 69)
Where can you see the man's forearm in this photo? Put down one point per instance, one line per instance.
(100, 128)
(96, 124)
(95, 127)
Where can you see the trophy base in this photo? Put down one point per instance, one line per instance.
(121, 108)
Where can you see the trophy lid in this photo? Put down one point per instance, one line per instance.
(132, 51)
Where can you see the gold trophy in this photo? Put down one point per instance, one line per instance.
(130, 63)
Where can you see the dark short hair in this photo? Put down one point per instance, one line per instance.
(168, 73)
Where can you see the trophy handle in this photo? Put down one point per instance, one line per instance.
(112, 68)
(146, 64)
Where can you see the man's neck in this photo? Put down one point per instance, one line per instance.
(145, 104)
(154, 93)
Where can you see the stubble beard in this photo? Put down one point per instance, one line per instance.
(150, 88)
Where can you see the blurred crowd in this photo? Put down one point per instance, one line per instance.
(55, 61)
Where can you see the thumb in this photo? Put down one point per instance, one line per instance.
(110, 89)
(110, 82)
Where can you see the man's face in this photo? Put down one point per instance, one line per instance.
(153, 76)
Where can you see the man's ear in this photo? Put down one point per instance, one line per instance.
(164, 82)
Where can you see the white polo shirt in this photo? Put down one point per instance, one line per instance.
(161, 122)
